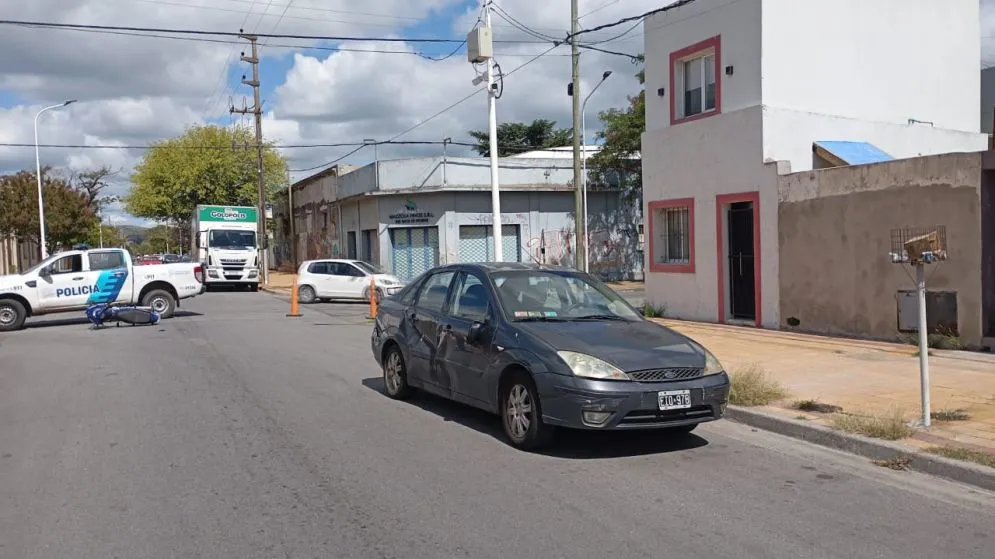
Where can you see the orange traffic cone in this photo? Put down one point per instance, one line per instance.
(373, 298)
(294, 311)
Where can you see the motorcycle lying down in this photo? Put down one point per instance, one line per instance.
(102, 313)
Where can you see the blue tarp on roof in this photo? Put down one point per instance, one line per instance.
(854, 153)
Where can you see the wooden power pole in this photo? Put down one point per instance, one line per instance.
(257, 111)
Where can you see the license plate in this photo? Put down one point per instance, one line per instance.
(674, 399)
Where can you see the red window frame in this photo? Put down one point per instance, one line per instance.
(713, 43)
(663, 205)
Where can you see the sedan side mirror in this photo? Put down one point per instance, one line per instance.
(44, 272)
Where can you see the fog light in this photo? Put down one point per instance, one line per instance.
(596, 417)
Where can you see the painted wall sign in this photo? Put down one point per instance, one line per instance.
(411, 215)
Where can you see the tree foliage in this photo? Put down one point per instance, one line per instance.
(69, 218)
(618, 163)
(206, 165)
(519, 137)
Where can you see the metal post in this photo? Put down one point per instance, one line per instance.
(583, 137)
(923, 342)
(493, 147)
(579, 222)
(445, 157)
(41, 203)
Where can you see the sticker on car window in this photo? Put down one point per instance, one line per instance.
(550, 314)
(521, 314)
(535, 314)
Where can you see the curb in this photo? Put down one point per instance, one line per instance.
(963, 472)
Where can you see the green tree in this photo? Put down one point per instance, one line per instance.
(206, 165)
(68, 217)
(618, 163)
(519, 137)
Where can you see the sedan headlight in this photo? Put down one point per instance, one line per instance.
(586, 366)
(712, 365)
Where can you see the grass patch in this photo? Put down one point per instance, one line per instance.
(898, 463)
(943, 338)
(950, 415)
(816, 406)
(890, 427)
(654, 311)
(752, 386)
(982, 458)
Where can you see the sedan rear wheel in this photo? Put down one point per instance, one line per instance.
(521, 414)
(395, 375)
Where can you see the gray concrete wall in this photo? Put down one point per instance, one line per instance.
(834, 237)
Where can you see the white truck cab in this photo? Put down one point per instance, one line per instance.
(72, 280)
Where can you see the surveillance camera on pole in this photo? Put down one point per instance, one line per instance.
(480, 48)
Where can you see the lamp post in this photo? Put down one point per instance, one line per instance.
(41, 203)
(583, 159)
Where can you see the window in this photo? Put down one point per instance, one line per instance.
(319, 268)
(471, 299)
(552, 295)
(68, 264)
(346, 269)
(432, 296)
(672, 236)
(109, 260)
(695, 83)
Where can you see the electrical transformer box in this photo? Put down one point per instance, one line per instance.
(479, 45)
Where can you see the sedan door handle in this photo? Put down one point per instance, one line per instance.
(79, 278)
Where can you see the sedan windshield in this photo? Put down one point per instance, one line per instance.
(554, 295)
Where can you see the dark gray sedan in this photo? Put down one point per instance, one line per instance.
(543, 347)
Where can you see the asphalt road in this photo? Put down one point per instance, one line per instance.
(236, 432)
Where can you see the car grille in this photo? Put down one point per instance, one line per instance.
(232, 265)
(643, 418)
(664, 375)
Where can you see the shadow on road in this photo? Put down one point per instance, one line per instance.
(569, 443)
(82, 320)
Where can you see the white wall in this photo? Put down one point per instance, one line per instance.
(737, 21)
(727, 155)
(879, 60)
(788, 136)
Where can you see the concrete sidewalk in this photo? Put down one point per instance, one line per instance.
(863, 377)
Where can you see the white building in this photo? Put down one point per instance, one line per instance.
(733, 86)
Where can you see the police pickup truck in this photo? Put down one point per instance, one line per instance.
(71, 281)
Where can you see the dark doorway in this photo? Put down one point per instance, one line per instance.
(351, 245)
(742, 281)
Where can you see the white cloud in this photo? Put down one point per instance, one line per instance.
(133, 90)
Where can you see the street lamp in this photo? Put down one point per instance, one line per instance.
(583, 159)
(41, 204)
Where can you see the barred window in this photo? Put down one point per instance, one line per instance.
(672, 236)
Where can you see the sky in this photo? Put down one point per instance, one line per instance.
(133, 90)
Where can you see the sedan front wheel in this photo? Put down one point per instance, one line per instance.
(521, 414)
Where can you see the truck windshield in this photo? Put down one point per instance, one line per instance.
(230, 238)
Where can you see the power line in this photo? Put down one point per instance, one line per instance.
(639, 18)
(205, 147)
(201, 32)
(434, 116)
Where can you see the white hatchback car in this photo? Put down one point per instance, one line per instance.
(342, 279)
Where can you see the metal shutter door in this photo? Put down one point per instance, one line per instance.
(475, 243)
(414, 250)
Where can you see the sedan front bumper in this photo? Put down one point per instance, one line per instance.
(580, 403)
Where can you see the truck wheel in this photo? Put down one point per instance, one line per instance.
(161, 302)
(12, 315)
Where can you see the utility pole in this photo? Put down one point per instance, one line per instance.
(290, 210)
(493, 146)
(579, 222)
(257, 111)
(479, 49)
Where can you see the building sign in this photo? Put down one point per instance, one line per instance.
(410, 215)
(237, 214)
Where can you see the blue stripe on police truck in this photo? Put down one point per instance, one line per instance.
(107, 289)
